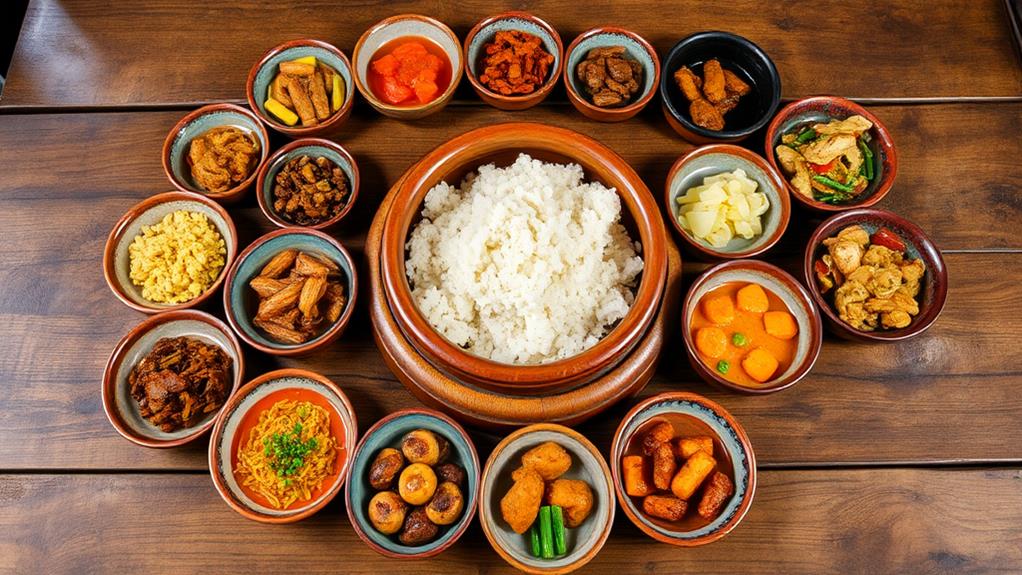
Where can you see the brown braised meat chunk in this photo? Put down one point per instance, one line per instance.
(180, 381)
(713, 95)
(515, 63)
(308, 191)
(611, 79)
(298, 306)
(222, 158)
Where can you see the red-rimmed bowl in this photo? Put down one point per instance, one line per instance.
(807, 111)
(483, 32)
(313, 147)
(117, 263)
(241, 302)
(263, 72)
(636, 48)
(788, 290)
(932, 296)
(122, 410)
(197, 123)
(243, 409)
(690, 169)
(691, 415)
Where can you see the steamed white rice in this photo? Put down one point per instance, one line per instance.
(525, 264)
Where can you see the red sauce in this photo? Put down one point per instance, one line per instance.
(409, 71)
(250, 419)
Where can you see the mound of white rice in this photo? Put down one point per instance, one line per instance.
(525, 264)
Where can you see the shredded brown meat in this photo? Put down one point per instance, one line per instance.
(308, 191)
(222, 158)
(515, 63)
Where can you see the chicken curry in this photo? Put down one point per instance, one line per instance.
(830, 163)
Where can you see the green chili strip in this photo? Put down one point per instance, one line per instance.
(546, 532)
(534, 545)
(560, 546)
(867, 161)
(807, 135)
(834, 184)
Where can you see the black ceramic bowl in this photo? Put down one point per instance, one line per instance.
(740, 56)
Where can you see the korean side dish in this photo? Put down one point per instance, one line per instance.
(611, 78)
(829, 162)
(308, 191)
(543, 503)
(419, 492)
(300, 296)
(711, 96)
(725, 206)
(873, 283)
(514, 63)
(305, 89)
(288, 453)
(524, 264)
(180, 381)
(677, 476)
(409, 71)
(222, 158)
(176, 259)
(745, 333)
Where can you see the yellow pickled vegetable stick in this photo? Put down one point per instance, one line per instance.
(724, 206)
(280, 111)
(305, 60)
(337, 95)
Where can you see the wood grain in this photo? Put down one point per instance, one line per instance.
(173, 51)
(812, 522)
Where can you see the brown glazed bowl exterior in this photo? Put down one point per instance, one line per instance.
(330, 126)
(935, 282)
(111, 252)
(111, 381)
(594, 112)
(697, 408)
(804, 310)
(524, 101)
(816, 108)
(501, 144)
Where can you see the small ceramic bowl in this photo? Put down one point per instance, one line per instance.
(475, 51)
(266, 69)
(587, 464)
(401, 26)
(809, 111)
(784, 286)
(314, 148)
(636, 48)
(122, 410)
(690, 414)
(689, 171)
(197, 123)
(243, 410)
(116, 262)
(737, 54)
(240, 301)
(388, 432)
(931, 297)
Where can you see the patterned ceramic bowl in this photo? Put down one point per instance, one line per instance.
(636, 48)
(691, 415)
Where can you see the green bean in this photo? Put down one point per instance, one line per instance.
(807, 135)
(534, 545)
(546, 533)
(560, 545)
(834, 184)
(867, 159)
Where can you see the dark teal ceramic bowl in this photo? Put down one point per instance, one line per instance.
(240, 301)
(388, 432)
(313, 147)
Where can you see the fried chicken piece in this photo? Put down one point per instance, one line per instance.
(854, 125)
(520, 504)
(704, 114)
(549, 460)
(734, 85)
(825, 149)
(689, 83)
(713, 81)
(574, 496)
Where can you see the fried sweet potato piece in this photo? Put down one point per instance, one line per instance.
(312, 291)
(281, 334)
(688, 446)
(292, 68)
(664, 466)
(279, 302)
(279, 264)
(692, 474)
(661, 432)
(635, 476)
(718, 489)
(301, 100)
(317, 92)
(664, 507)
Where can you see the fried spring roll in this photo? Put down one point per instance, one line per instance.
(636, 479)
(718, 490)
(302, 103)
(687, 446)
(319, 100)
(692, 474)
(664, 507)
(297, 68)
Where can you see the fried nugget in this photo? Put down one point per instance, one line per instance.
(706, 115)
(660, 433)
(520, 504)
(689, 84)
(548, 459)
(714, 82)
(664, 466)
(718, 490)
(573, 496)
(664, 507)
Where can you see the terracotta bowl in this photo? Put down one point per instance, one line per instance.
(388, 432)
(263, 72)
(398, 27)
(689, 171)
(483, 32)
(122, 410)
(313, 147)
(919, 246)
(690, 414)
(197, 123)
(116, 262)
(240, 301)
(584, 541)
(737, 54)
(637, 48)
(807, 111)
(245, 406)
(781, 284)
(501, 144)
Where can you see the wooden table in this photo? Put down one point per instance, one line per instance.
(899, 458)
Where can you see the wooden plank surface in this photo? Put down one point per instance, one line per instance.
(812, 522)
(81, 53)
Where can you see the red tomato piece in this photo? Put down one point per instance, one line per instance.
(394, 91)
(386, 66)
(425, 90)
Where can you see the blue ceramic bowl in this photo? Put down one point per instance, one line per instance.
(313, 147)
(388, 432)
(636, 48)
(240, 301)
(690, 414)
(260, 76)
(175, 147)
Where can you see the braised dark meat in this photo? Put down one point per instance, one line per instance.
(711, 96)
(611, 79)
